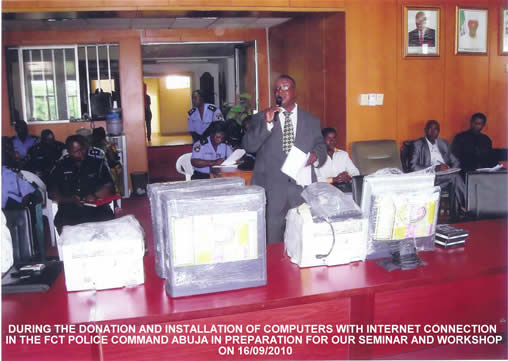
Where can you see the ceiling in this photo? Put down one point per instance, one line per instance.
(87, 20)
(153, 54)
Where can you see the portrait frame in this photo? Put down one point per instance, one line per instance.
(503, 32)
(421, 44)
(471, 31)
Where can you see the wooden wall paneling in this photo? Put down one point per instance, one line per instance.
(466, 80)
(262, 3)
(107, 5)
(7, 128)
(371, 51)
(314, 70)
(278, 55)
(497, 110)
(263, 86)
(336, 4)
(420, 83)
(131, 91)
(312, 50)
(335, 76)
(83, 5)
(250, 76)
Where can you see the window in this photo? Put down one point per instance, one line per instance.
(56, 83)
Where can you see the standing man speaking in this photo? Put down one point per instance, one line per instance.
(270, 135)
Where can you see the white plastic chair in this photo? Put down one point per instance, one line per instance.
(184, 166)
(47, 210)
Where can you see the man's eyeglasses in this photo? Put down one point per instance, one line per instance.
(282, 87)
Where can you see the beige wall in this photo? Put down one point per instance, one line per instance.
(174, 105)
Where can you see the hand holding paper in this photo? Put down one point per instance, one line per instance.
(296, 166)
(232, 159)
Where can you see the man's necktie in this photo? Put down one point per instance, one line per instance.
(288, 138)
(421, 37)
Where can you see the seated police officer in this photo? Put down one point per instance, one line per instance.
(23, 141)
(210, 151)
(17, 192)
(42, 157)
(76, 179)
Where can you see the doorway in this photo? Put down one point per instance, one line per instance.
(224, 70)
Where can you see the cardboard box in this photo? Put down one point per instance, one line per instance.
(102, 255)
(216, 240)
(155, 190)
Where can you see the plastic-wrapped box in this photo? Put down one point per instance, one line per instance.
(154, 193)
(216, 240)
(400, 207)
(313, 243)
(101, 255)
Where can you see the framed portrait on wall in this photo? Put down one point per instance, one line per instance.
(471, 31)
(503, 46)
(421, 31)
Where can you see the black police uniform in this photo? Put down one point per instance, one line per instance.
(41, 159)
(70, 180)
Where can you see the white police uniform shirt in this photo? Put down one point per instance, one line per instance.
(204, 150)
(338, 163)
(210, 114)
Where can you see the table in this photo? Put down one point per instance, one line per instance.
(462, 285)
(218, 172)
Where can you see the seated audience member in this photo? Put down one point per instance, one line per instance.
(472, 148)
(111, 156)
(16, 191)
(338, 167)
(76, 179)
(432, 151)
(210, 151)
(23, 141)
(42, 157)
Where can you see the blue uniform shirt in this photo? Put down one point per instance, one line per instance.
(205, 151)
(14, 186)
(210, 114)
(22, 147)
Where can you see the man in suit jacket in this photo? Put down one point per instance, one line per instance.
(265, 138)
(422, 34)
(432, 151)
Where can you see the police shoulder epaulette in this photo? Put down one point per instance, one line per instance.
(192, 111)
(212, 107)
(203, 141)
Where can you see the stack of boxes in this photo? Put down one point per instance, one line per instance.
(210, 235)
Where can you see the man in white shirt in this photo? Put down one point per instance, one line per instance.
(434, 151)
(338, 167)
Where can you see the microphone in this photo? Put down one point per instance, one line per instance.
(278, 101)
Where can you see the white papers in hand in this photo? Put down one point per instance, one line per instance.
(493, 169)
(294, 167)
(231, 160)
